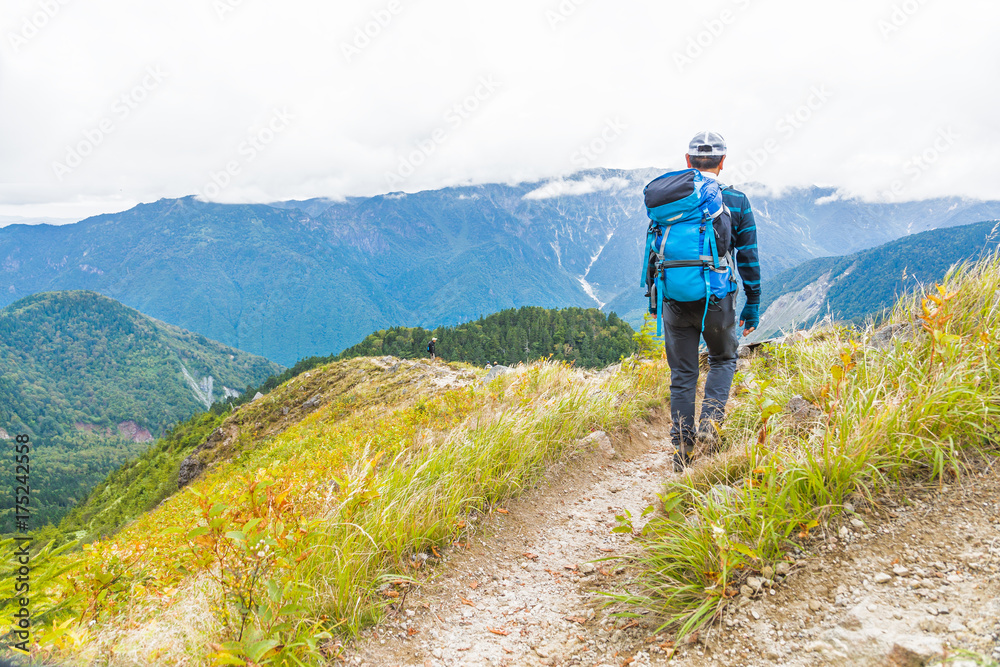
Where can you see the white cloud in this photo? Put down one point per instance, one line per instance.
(583, 186)
(893, 93)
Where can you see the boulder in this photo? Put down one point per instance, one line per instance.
(883, 338)
(496, 372)
(600, 441)
(190, 468)
(802, 411)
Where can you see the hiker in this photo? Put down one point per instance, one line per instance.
(697, 227)
(431, 348)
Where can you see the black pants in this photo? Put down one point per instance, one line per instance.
(683, 334)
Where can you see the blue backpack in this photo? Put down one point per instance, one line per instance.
(688, 244)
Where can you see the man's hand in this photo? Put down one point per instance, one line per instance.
(750, 318)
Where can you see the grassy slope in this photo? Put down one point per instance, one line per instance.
(306, 516)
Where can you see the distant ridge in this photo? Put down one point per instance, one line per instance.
(854, 287)
(297, 279)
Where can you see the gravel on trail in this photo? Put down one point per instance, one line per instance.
(897, 584)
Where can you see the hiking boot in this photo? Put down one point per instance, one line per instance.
(681, 460)
(707, 439)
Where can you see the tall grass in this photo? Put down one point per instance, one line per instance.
(925, 408)
(304, 540)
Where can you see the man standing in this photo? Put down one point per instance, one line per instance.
(432, 348)
(686, 323)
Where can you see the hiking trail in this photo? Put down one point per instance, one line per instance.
(895, 586)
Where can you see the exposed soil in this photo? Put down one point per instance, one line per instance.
(902, 586)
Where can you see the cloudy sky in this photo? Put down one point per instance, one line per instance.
(106, 103)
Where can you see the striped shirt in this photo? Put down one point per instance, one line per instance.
(744, 241)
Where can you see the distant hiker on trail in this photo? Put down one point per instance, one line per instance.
(689, 271)
(431, 348)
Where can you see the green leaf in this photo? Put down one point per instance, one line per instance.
(236, 535)
(217, 509)
(198, 532)
(257, 650)
(745, 550)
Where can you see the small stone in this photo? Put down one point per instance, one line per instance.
(755, 583)
(858, 524)
(849, 507)
(844, 532)
(815, 605)
(746, 591)
(901, 571)
(955, 579)
(882, 578)
(437, 653)
(818, 647)
(782, 569)
(756, 616)
(957, 626)
(586, 568)
(901, 656)
(411, 613)
(933, 626)
(851, 622)
(896, 615)
(768, 572)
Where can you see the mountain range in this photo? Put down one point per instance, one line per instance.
(855, 287)
(301, 278)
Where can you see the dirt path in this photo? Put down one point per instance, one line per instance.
(524, 594)
(918, 581)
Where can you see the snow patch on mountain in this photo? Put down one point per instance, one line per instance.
(584, 186)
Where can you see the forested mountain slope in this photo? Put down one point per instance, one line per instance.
(94, 382)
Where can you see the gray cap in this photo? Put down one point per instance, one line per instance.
(707, 144)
